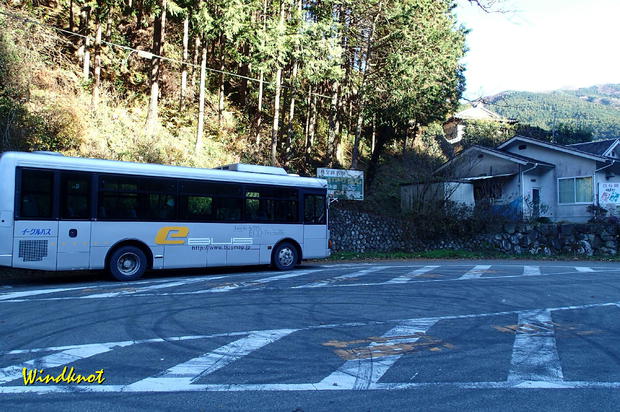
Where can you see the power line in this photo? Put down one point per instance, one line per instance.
(148, 55)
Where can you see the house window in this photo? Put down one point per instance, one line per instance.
(575, 190)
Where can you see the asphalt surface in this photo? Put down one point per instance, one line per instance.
(485, 335)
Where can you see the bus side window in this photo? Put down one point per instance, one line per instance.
(36, 194)
(196, 207)
(314, 209)
(75, 196)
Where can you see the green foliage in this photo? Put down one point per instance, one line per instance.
(574, 116)
(28, 121)
(449, 220)
(395, 64)
(487, 133)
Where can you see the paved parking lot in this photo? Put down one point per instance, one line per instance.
(380, 336)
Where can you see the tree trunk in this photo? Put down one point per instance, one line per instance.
(374, 134)
(356, 143)
(291, 112)
(108, 28)
(334, 125)
(313, 120)
(184, 65)
(244, 70)
(386, 133)
(220, 106)
(259, 111)
(259, 114)
(71, 18)
(307, 124)
(85, 15)
(159, 34)
(362, 94)
(97, 80)
(139, 14)
(196, 52)
(276, 118)
(201, 99)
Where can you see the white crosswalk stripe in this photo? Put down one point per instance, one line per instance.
(476, 272)
(531, 270)
(148, 288)
(54, 360)
(584, 269)
(186, 373)
(407, 277)
(534, 359)
(534, 354)
(362, 373)
(351, 275)
(258, 282)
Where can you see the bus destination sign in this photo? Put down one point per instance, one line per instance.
(343, 184)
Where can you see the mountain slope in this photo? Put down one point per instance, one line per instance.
(594, 109)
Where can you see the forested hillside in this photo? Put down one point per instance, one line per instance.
(605, 94)
(594, 110)
(297, 83)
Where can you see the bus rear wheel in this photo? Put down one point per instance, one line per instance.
(127, 263)
(285, 256)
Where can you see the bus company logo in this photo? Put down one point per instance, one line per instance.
(36, 232)
(177, 235)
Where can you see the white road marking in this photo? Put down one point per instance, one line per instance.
(362, 373)
(256, 282)
(520, 370)
(146, 288)
(54, 360)
(184, 374)
(503, 277)
(407, 278)
(534, 354)
(356, 274)
(17, 295)
(531, 271)
(282, 387)
(475, 273)
(14, 297)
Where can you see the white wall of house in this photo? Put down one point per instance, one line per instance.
(487, 165)
(458, 192)
(461, 193)
(544, 181)
(566, 165)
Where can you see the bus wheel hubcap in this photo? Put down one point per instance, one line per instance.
(128, 264)
(286, 257)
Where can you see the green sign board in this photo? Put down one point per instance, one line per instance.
(343, 184)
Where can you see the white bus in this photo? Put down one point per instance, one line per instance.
(66, 213)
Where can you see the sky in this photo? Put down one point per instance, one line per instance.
(541, 45)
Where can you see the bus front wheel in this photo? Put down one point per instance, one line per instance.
(127, 263)
(285, 256)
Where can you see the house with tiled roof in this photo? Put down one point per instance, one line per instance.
(455, 127)
(526, 177)
(608, 147)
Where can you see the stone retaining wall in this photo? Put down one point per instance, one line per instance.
(355, 231)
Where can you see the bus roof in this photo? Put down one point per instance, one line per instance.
(55, 161)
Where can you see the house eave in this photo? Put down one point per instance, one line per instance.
(553, 147)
